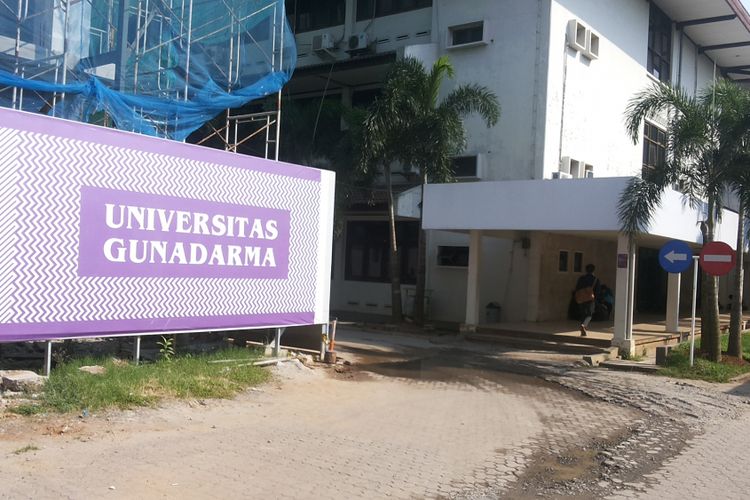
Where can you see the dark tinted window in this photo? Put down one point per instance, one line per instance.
(465, 166)
(368, 251)
(309, 15)
(467, 34)
(659, 44)
(367, 9)
(654, 149)
(453, 256)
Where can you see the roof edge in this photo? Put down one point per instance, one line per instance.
(741, 12)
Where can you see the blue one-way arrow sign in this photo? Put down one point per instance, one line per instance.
(675, 256)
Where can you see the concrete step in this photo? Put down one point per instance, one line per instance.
(629, 366)
(567, 347)
(551, 337)
(597, 359)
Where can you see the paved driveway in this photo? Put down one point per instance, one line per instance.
(408, 419)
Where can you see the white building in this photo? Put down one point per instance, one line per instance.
(517, 231)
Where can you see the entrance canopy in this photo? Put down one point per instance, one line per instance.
(586, 206)
(578, 207)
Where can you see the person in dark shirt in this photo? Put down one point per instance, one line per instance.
(587, 308)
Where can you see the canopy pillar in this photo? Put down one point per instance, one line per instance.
(473, 282)
(624, 295)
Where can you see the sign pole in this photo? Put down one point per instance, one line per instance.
(277, 342)
(48, 358)
(137, 350)
(695, 296)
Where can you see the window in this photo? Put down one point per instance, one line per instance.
(578, 262)
(309, 15)
(367, 9)
(368, 251)
(365, 98)
(465, 166)
(453, 256)
(562, 261)
(659, 44)
(466, 34)
(654, 149)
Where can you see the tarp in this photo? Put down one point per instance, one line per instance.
(159, 67)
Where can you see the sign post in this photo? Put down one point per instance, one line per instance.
(717, 259)
(675, 257)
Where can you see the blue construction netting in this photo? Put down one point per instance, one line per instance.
(158, 67)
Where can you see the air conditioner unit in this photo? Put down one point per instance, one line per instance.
(592, 45)
(588, 171)
(572, 167)
(577, 35)
(565, 164)
(358, 42)
(323, 43)
(561, 175)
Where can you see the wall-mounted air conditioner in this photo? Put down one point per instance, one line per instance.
(574, 169)
(582, 39)
(577, 35)
(592, 45)
(561, 175)
(565, 164)
(323, 42)
(359, 42)
(571, 167)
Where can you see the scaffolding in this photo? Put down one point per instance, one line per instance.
(161, 67)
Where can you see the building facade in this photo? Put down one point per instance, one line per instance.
(536, 197)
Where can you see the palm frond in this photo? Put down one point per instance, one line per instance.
(474, 98)
(439, 71)
(637, 205)
(658, 98)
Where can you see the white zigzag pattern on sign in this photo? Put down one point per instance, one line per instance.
(53, 171)
(47, 229)
(9, 156)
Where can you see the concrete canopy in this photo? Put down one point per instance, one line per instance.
(586, 206)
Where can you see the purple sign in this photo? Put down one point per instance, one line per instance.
(134, 234)
(104, 232)
(622, 261)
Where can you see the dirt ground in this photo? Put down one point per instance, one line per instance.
(408, 418)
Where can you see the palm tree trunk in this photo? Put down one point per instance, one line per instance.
(419, 313)
(710, 337)
(395, 261)
(735, 322)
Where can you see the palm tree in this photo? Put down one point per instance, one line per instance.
(733, 119)
(378, 143)
(697, 160)
(741, 186)
(427, 132)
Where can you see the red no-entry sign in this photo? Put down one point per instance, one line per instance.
(717, 258)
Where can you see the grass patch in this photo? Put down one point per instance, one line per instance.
(634, 357)
(26, 449)
(678, 363)
(26, 409)
(126, 386)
